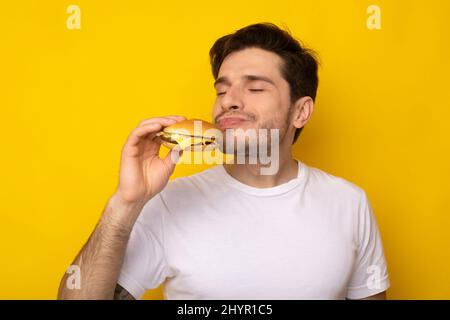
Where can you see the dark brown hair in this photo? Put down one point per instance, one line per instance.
(299, 63)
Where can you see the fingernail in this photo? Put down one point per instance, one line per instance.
(175, 156)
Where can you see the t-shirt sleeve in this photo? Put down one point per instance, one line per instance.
(370, 275)
(144, 265)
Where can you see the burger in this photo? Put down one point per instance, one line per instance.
(191, 135)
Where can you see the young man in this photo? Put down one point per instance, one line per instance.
(230, 232)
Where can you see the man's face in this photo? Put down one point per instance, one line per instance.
(252, 94)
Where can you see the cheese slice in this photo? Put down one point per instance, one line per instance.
(188, 143)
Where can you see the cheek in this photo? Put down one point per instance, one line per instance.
(216, 109)
(270, 109)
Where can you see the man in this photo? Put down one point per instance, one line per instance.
(230, 232)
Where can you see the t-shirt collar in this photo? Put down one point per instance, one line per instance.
(271, 191)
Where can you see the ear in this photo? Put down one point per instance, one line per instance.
(303, 109)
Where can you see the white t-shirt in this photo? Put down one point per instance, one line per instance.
(209, 236)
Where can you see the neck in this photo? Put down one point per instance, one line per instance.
(250, 174)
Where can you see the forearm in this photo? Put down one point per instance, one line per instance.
(101, 258)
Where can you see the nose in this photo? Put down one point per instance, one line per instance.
(232, 100)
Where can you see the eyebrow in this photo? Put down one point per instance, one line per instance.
(248, 77)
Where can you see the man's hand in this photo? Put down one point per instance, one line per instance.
(143, 173)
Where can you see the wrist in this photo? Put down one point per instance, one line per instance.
(122, 214)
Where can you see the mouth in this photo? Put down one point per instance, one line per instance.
(230, 122)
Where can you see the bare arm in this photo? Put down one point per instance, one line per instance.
(101, 258)
(143, 174)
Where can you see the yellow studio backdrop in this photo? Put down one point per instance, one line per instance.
(71, 91)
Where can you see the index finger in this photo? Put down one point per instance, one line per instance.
(141, 132)
(164, 119)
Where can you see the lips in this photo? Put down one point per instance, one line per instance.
(230, 122)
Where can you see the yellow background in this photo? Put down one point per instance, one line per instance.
(69, 98)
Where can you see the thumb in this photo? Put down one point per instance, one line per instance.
(173, 157)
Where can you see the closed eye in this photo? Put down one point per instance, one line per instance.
(251, 90)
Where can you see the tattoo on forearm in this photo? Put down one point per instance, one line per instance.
(120, 293)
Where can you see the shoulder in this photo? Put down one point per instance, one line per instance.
(191, 189)
(334, 187)
(338, 197)
(178, 194)
(198, 180)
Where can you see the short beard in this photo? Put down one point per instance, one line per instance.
(244, 148)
